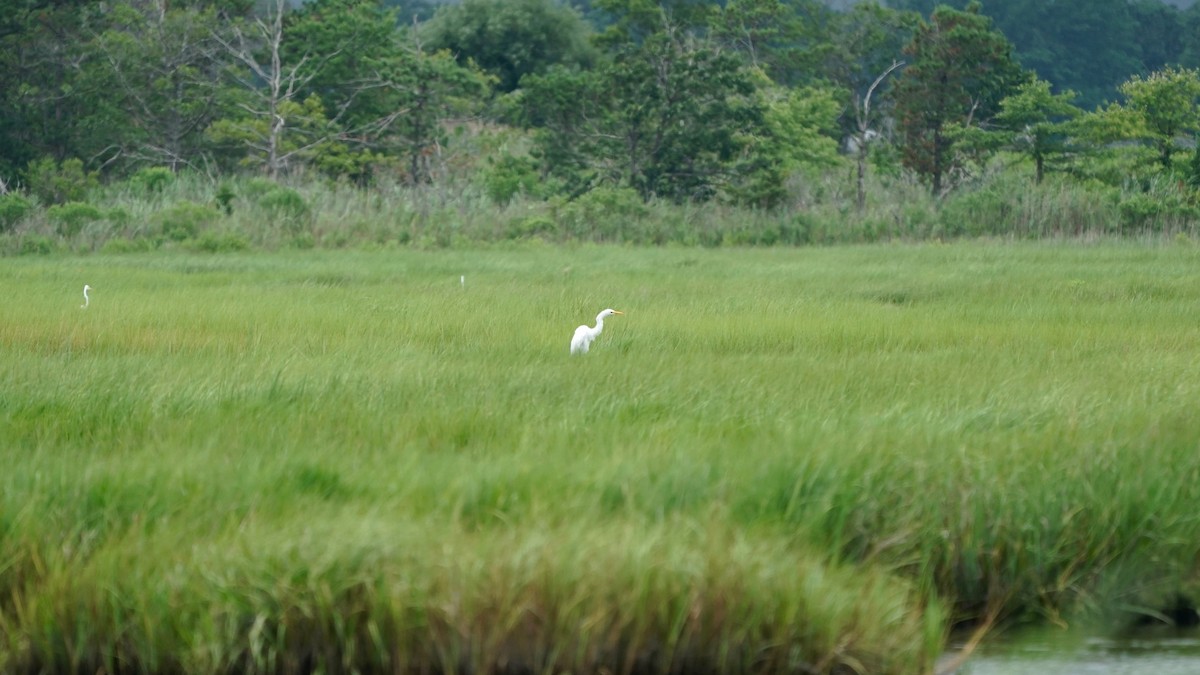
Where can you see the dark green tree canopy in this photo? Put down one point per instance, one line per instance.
(1089, 46)
(667, 117)
(959, 69)
(511, 38)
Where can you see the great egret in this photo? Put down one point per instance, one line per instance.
(86, 288)
(583, 337)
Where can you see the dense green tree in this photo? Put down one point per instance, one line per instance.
(338, 87)
(677, 115)
(558, 107)
(1167, 102)
(1035, 122)
(959, 68)
(388, 95)
(431, 94)
(165, 71)
(669, 116)
(511, 38)
(258, 144)
(346, 44)
(798, 138)
(1193, 169)
(42, 93)
(787, 40)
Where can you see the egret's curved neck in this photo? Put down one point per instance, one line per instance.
(599, 323)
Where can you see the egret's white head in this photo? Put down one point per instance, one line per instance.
(86, 288)
(609, 312)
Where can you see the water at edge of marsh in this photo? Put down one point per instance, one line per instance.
(1174, 652)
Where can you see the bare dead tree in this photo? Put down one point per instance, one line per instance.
(178, 50)
(272, 84)
(862, 112)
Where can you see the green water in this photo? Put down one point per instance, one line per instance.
(1177, 654)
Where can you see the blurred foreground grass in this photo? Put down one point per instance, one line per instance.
(777, 460)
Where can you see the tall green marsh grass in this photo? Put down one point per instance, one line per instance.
(157, 210)
(777, 460)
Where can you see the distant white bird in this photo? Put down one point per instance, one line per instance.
(462, 280)
(583, 337)
(86, 301)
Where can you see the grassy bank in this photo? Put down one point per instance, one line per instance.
(156, 210)
(776, 460)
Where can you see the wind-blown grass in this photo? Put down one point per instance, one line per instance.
(199, 213)
(777, 460)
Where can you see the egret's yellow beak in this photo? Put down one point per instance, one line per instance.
(616, 312)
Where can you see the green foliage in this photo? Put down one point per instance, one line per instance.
(1193, 172)
(509, 39)
(554, 106)
(799, 137)
(70, 217)
(34, 244)
(959, 70)
(284, 206)
(254, 187)
(865, 41)
(1089, 47)
(529, 227)
(604, 214)
(669, 117)
(793, 231)
(152, 180)
(633, 21)
(1164, 210)
(803, 126)
(120, 245)
(342, 43)
(1037, 122)
(56, 183)
(224, 198)
(1168, 105)
(186, 220)
(13, 209)
(255, 143)
(509, 176)
(118, 216)
(212, 241)
(783, 39)
(162, 66)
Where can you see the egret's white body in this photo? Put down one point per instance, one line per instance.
(86, 288)
(582, 340)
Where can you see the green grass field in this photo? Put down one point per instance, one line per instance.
(816, 460)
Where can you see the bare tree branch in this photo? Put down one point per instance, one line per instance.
(862, 112)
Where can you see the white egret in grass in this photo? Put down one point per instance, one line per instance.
(86, 301)
(582, 340)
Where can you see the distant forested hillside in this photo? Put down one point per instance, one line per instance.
(1090, 46)
(1087, 46)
